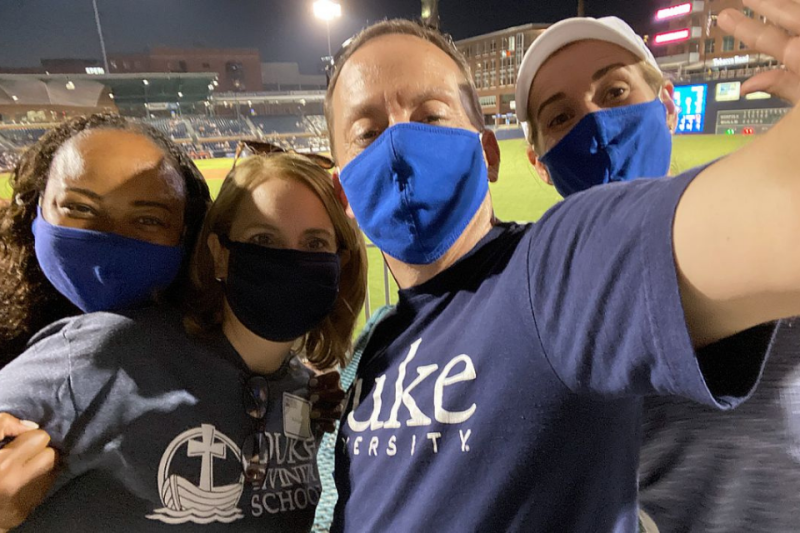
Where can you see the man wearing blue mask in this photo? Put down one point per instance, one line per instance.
(700, 470)
(600, 110)
(504, 391)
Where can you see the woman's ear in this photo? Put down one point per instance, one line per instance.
(540, 167)
(666, 95)
(220, 255)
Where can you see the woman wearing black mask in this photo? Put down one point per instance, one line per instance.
(212, 427)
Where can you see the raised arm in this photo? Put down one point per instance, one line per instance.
(737, 227)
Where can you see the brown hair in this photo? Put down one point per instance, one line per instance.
(28, 301)
(469, 96)
(329, 343)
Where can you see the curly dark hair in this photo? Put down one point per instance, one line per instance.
(28, 301)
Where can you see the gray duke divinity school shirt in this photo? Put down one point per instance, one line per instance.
(150, 423)
(505, 394)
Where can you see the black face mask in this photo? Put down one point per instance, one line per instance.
(279, 294)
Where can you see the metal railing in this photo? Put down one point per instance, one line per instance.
(387, 287)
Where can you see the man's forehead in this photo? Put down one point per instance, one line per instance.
(411, 63)
(396, 54)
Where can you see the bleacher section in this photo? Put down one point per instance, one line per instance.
(175, 129)
(220, 127)
(203, 136)
(279, 124)
(22, 137)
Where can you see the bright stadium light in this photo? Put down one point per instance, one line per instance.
(674, 11)
(672, 36)
(328, 10)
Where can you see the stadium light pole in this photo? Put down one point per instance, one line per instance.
(328, 10)
(100, 33)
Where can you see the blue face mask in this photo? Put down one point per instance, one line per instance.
(99, 271)
(416, 188)
(619, 144)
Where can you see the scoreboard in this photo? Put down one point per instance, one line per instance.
(748, 121)
(691, 103)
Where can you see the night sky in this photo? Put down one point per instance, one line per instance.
(283, 30)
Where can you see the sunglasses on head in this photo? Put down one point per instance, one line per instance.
(246, 148)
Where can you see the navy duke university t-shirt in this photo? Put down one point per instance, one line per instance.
(505, 393)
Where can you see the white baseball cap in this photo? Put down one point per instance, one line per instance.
(559, 35)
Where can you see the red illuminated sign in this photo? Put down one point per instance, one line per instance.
(671, 36)
(674, 11)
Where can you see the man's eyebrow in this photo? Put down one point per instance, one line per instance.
(553, 99)
(361, 110)
(85, 192)
(432, 93)
(605, 70)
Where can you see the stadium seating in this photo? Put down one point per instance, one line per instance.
(207, 127)
(176, 129)
(21, 138)
(279, 124)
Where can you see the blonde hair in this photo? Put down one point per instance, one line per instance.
(329, 343)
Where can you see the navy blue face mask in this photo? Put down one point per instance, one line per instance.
(99, 271)
(278, 294)
(416, 188)
(619, 144)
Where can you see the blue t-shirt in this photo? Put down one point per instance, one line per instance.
(505, 393)
(152, 428)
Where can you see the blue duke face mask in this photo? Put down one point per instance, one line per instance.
(416, 188)
(619, 144)
(99, 271)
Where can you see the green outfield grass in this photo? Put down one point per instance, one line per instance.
(518, 195)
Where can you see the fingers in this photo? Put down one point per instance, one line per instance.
(778, 82)
(11, 426)
(25, 447)
(783, 13)
(765, 38)
(325, 380)
(42, 465)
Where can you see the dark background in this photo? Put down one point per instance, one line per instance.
(282, 30)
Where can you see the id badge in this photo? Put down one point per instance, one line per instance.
(296, 416)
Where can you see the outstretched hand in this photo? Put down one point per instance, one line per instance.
(778, 38)
(27, 469)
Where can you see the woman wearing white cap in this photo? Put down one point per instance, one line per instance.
(598, 111)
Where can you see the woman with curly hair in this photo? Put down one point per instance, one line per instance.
(203, 418)
(126, 182)
(103, 210)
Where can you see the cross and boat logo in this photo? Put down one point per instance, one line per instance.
(205, 502)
